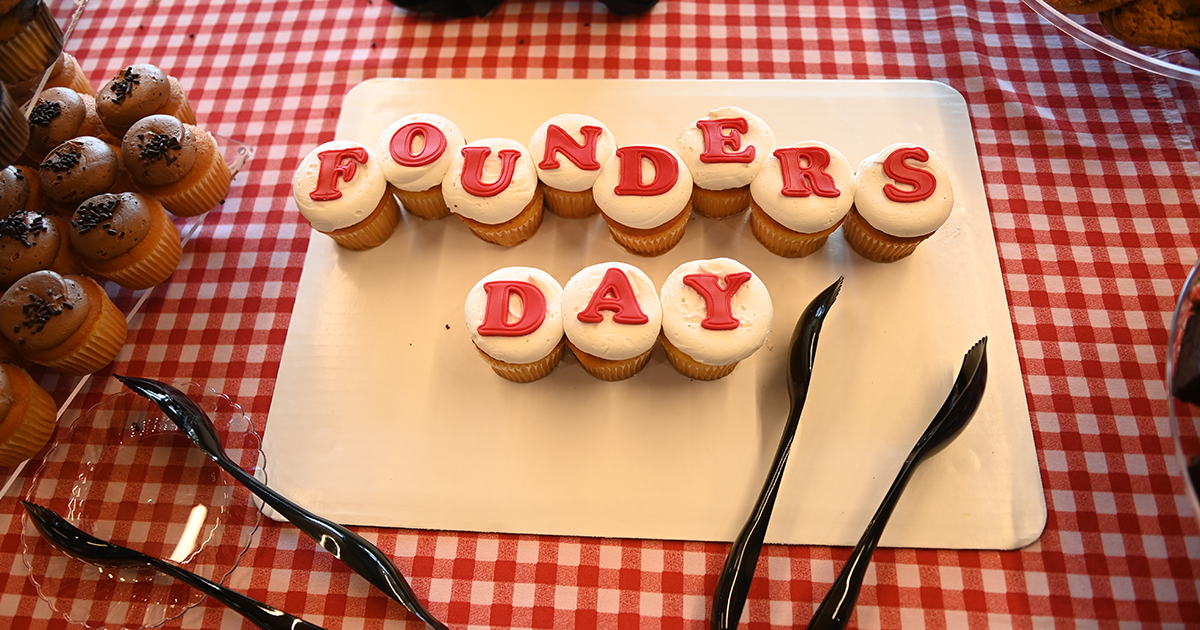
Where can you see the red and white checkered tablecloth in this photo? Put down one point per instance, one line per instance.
(1090, 170)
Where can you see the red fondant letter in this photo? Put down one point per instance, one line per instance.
(922, 181)
(581, 155)
(721, 147)
(666, 171)
(333, 163)
(472, 176)
(495, 315)
(804, 172)
(401, 146)
(614, 294)
(718, 301)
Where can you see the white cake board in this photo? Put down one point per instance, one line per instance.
(384, 415)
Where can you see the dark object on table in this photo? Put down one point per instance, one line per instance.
(480, 8)
(14, 129)
(1186, 384)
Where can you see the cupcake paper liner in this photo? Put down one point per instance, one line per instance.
(875, 245)
(33, 49)
(37, 420)
(374, 230)
(179, 106)
(203, 188)
(512, 232)
(571, 205)
(526, 372)
(149, 263)
(781, 241)
(608, 370)
(426, 204)
(653, 242)
(100, 345)
(720, 204)
(692, 368)
(14, 129)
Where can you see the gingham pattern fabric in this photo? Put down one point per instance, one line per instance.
(1090, 169)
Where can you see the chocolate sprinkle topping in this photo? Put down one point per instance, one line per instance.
(45, 112)
(123, 84)
(62, 161)
(94, 215)
(39, 311)
(158, 147)
(18, 227)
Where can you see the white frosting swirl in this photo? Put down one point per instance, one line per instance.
(527, 348)
(505, 205)
(608, 339)
(899, 218)
(637, 211)
(811, 214)
(684, 309)
(360, 196)
(426, 176)
(726, 175)
(567, 176)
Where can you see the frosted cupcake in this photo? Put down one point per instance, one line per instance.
(342, 193)
(20, 189)
(30, 40)
(127, 238)
(176, 163)
(492, 186)
(568, 151)
(32, 241)
(724, 152)
(612, 317)
(138, 91)
(645, 196)
(902, 195)
(715, 313)
(61, 114)
(415, 152)
(81, 168)
(800, 197)
(27, 415)
(514, 317)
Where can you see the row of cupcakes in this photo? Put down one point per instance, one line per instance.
(721, 166)
(709, 315)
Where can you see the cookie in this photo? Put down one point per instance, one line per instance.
(1159, 23)
(1080, 7)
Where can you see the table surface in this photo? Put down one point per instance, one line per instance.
(1090, 168)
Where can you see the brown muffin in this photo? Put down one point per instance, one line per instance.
(32, 241)
(176, 163)
(1085, 6)
(1160, 23)
(14, 130)
(20, 189)
(30, 39)
(139, 91)
(66, 323)
(126, 238)
(59, 115)
(79, 169)
(27, 416)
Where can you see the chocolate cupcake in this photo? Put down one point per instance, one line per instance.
(78, 169)
(20, 189)
(14, 131)
(59, 115)
(126, 238)
(176, 163)
(32, 241)
(66, 323)
(30, 39)
(139, 91)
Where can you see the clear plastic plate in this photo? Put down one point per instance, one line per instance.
(1184, 415)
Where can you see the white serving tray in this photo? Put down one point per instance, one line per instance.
(383, 414)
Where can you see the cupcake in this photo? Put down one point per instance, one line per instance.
(342, 193)
(14, 129)
(645, 196)
(27, 415)
(800, 197)
(492, 186)
(514, 317)
(65, 73)
(59, 115)
(568, 151)
(30, 40)
(127, 238)
(66, 323)
(20, 189)
(723, 152)
(902, 195)
(415, 152)
(715, 313)
(178, 164)
(138, 91)
(31, 241)
(79, 169)
(612, 317)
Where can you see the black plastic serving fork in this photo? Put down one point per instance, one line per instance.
(353, 550)
(83, 546)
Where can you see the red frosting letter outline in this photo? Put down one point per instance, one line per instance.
(666, 171)
(922, 181)
(495, 315)
(615, 294)
(718, 301)
(804, 173)
(333, 163)
(581, 155)
(472, 175)
(401, 146)
(721, 147)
